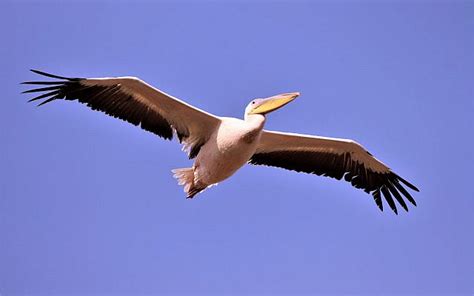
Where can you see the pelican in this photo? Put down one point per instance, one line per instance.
(222, 145)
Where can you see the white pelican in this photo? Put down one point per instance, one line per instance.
(222, 145)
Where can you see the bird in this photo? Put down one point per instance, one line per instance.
(222, 145)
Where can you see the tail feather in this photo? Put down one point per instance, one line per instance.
(185, 177)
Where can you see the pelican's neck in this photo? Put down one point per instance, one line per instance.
(257, 120)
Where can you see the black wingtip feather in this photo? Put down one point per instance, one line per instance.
(377, 199)
(53, 76)
(408, 184)
(44, 82)
(404, 192)
(389, 199)
(52, 93)
(397, 195)
(47, 101)
(42, 89)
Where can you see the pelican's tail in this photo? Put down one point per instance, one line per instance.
(185, 177)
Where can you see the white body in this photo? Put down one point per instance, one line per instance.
(230, 147)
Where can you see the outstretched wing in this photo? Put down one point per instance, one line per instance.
(134, 101)
(335, 158)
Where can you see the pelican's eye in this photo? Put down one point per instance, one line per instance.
(253, 103)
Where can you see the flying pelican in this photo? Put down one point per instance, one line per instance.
(222, 145)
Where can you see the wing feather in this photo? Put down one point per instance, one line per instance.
(136, 102)
(335, 158)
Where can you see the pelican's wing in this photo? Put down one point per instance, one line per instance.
(134, 101)
(334, 158)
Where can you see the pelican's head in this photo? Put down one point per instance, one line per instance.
(264, 106)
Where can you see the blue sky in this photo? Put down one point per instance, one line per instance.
(88, 204)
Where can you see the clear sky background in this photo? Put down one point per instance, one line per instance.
(88, 204)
